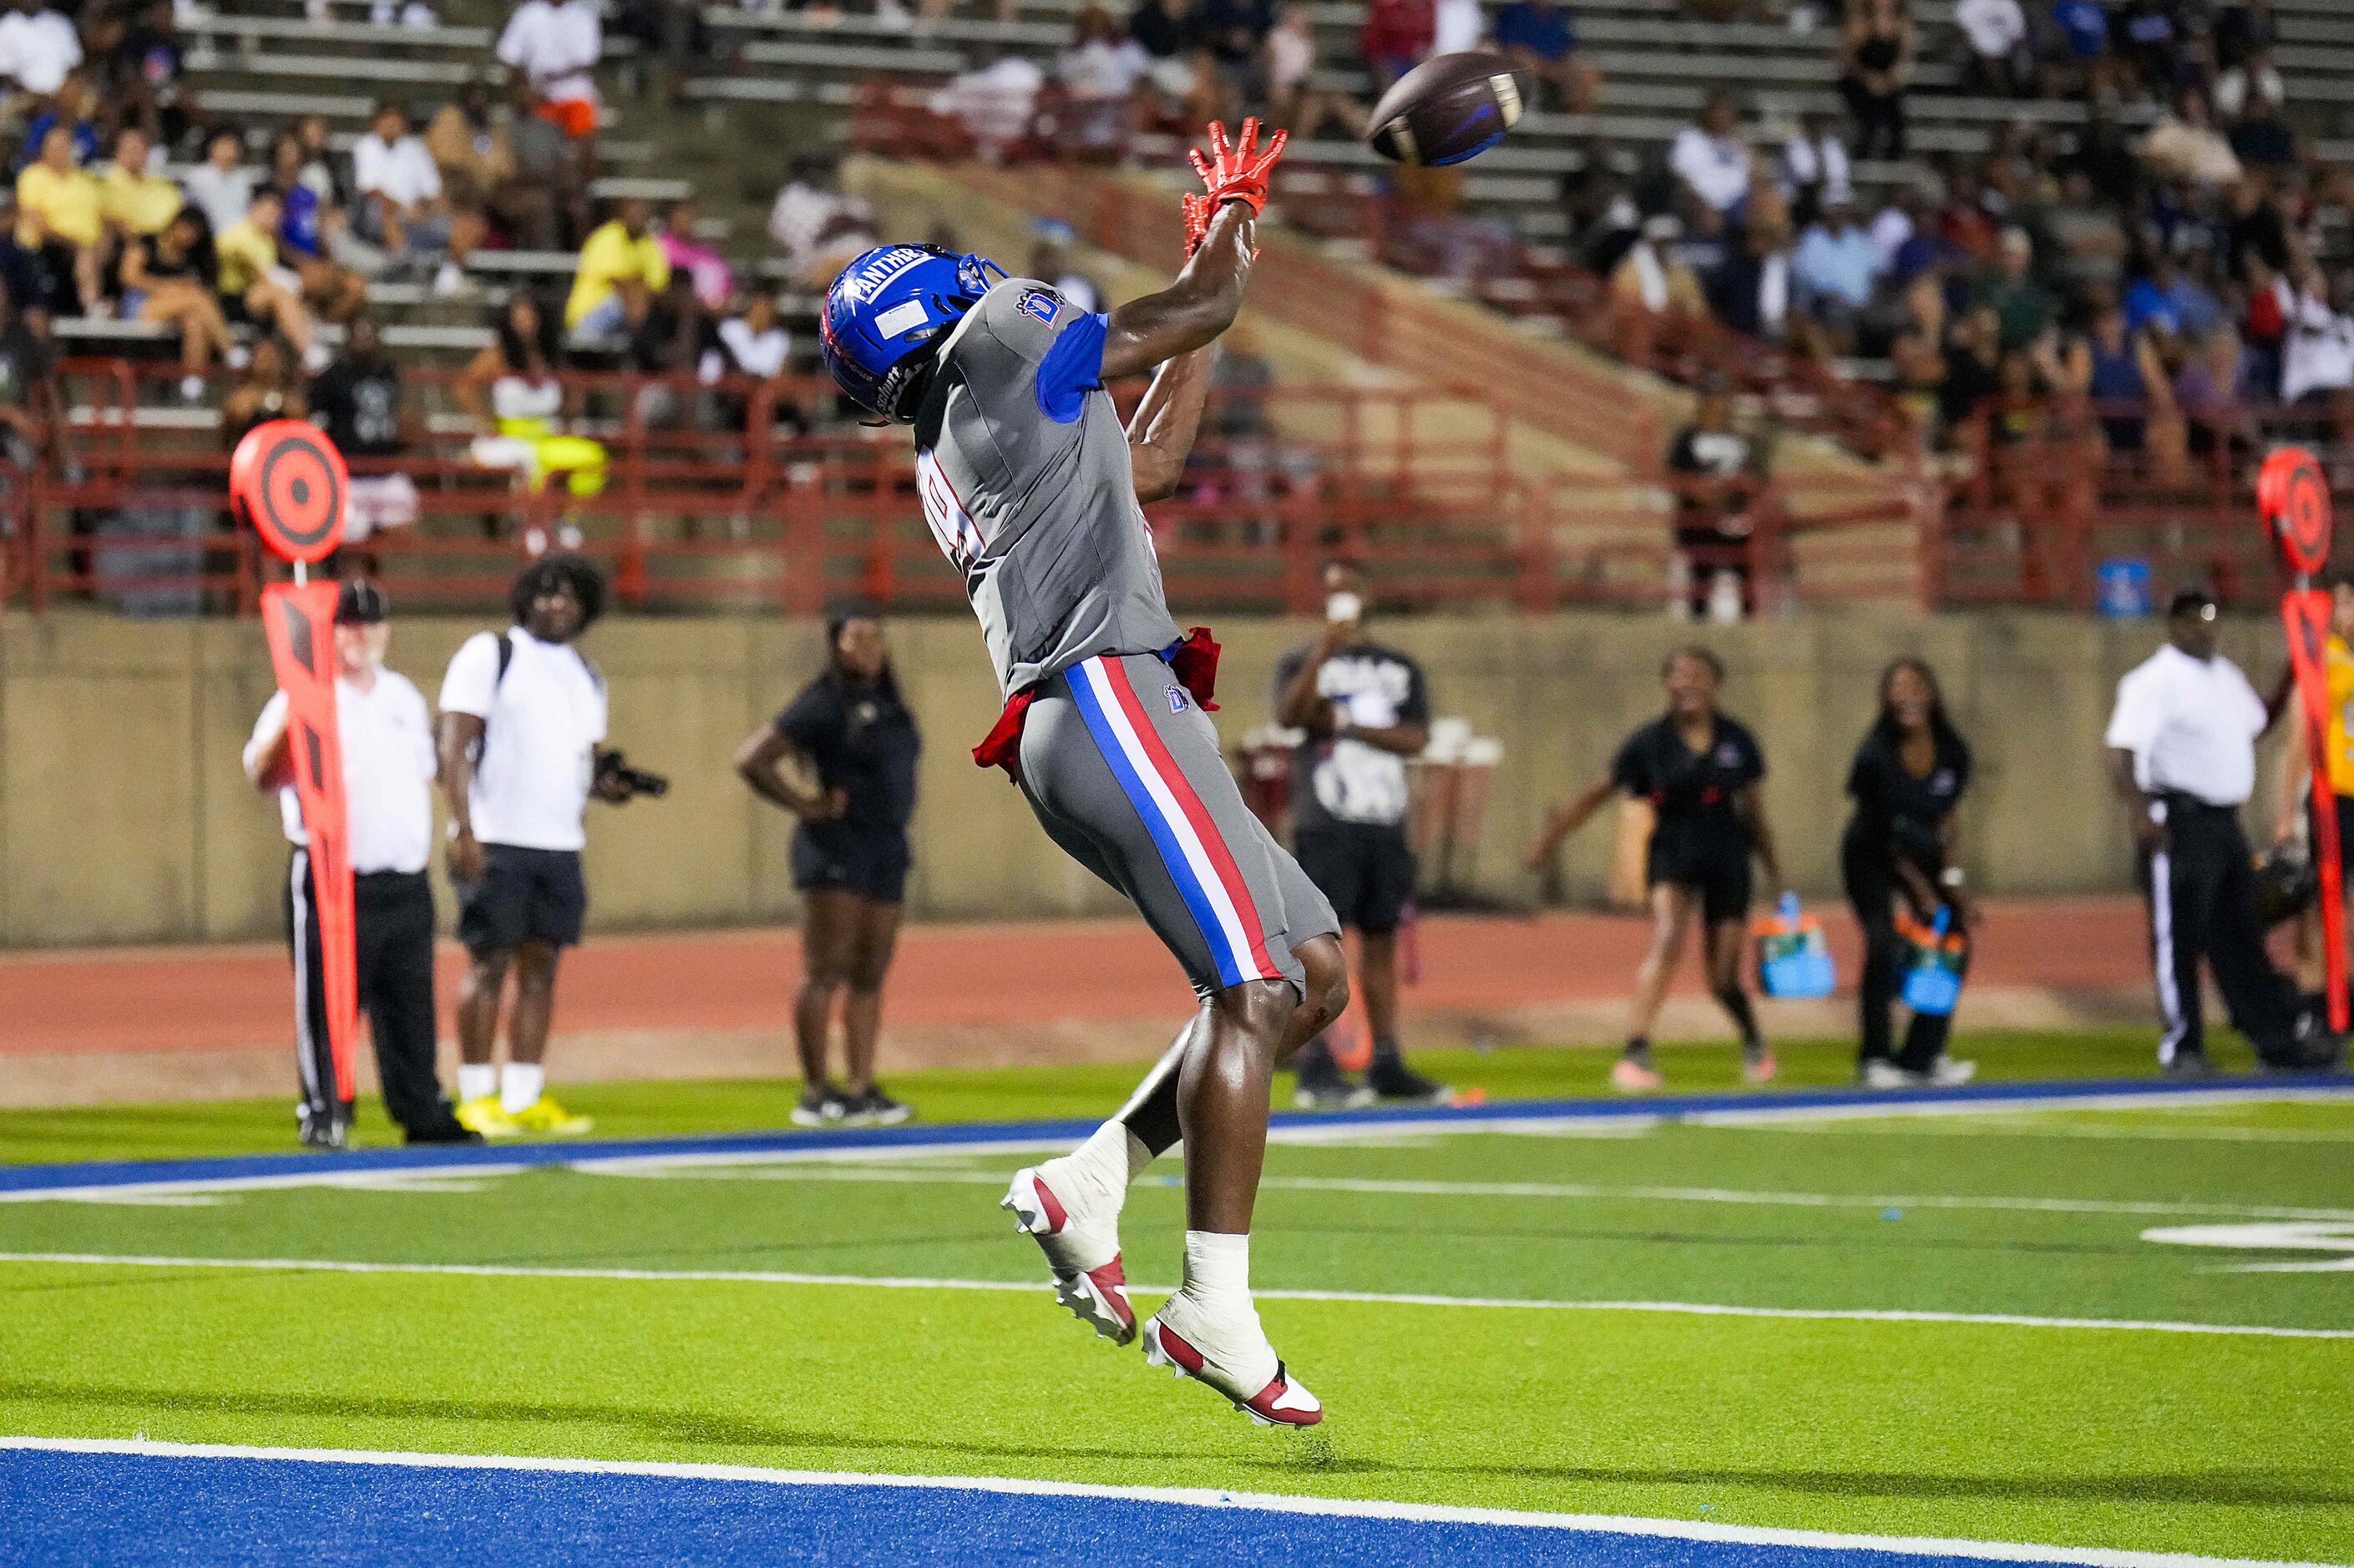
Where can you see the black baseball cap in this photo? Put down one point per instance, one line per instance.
(362, 603)
(2192, 601)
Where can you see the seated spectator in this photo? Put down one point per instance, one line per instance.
(167, 277)
(1540, 37)
(2211, 391)
(314, 238)
(1876, 54)
(2317, 346)
(2144, 36)
(2252, 80)
(1815, 170)
(2167, 301)
(816, 224)
(221, 188)
(2245, 28)
(1293, 98)
(1184, 88)
(551, 49)
(252, 282)
(1099, 71)
(2261, 139)
(622, 268)
(139, 57)
(322, 170)
(1651, 277)
(1395, 37)
(474, 153)
(24, 276)
(671, 342)
(2185, 146)
(1996, 31)
(713, 280)
(994, 99)
(1754, 292)
(1837, 267)
(357, 400)
(511, 389)
(2088, 239)
(1905, 232)
(2119, 370)
(1710, 157)
(75, 106)
(2023, 307)
(2082, 31)
(132, 200)
(1970, 372)
(58, 216)
(39, 46)
(1233, 34)
(750, 343)
(400, 202)
(266, 390)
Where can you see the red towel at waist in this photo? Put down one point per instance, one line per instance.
(1193, 660)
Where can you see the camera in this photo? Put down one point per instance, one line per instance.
(613, 765)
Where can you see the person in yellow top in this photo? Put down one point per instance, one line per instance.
(132, 201)
(252, 277)
(2338, 755)
(58, 216)
(622, 268)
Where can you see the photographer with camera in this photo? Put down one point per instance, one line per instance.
(521, 743)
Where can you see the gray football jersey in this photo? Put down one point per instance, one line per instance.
(1025, 483)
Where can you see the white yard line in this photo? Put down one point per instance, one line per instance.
(1181, 1496)
(1364, 1298)
(1565, 1190)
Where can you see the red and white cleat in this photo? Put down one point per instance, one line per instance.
(1276, 1400)
(1082, 1251)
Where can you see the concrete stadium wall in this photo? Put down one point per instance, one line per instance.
(124, 817)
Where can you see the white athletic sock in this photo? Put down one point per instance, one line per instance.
(519, 1086)
(1217, 1270)
(1103, 1165)
(474, 1082)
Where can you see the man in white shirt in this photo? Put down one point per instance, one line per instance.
(523, 732)
(39, 46)
(388, 767)
(1996, 31)
(1710, 156)
(2182, 757)
(401, 202)
(553, 46)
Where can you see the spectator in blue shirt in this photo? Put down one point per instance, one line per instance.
(1538, 38)
(2082, 29)
(2166, 300)
(1836, 266)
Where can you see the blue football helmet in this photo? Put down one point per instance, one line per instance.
(886, 306)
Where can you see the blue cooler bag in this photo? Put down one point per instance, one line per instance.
(1793, 958)
(1933, 980)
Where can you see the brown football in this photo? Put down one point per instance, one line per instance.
(1448, 109)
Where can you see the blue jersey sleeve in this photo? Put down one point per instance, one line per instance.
(1073, 368)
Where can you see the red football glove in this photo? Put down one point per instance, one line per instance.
(1238, 173)
(1198, 210)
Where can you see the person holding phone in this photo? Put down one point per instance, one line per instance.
(1907, 781)
(850, 857)
(1362, 709)
(1702, 773)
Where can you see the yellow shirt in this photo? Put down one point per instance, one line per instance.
(66, 202)
(143, 204)
(2338, 740)
(247, 255)
(609, 258)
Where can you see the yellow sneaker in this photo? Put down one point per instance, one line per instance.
(546, 1116)
(484, 1114)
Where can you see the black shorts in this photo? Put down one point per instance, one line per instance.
(1366, 870)
(872, 863)
(2345, 837)
(523, 894)
(1710, 864)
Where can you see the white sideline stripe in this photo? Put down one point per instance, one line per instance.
(1362, 1297)
(1564, 1189)
(1183, 1497)
(2057, 1101)
(1993, 1127)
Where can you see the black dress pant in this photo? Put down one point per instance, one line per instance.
(1873, 892)
(2201, 889)
(392, 929)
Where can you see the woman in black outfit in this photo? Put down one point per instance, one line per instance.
(849, 857)
(1700, 772)
(1907, 779)
(1876, 53)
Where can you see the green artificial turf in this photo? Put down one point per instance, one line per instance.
(2102, 1436)
(664, 1108)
